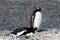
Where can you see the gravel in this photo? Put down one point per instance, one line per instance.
(51, 34)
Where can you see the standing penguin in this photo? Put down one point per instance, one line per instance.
(36, 18)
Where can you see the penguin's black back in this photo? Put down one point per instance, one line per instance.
(18, 30)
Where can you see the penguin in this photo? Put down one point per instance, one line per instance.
(23, 31)
(36, 18)
(35, 22)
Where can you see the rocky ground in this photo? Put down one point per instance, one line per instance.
(45, 35)
(17, 13)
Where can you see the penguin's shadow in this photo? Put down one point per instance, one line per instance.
(42, 30)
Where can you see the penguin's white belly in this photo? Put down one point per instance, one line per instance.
(21, 32)
(37, 20)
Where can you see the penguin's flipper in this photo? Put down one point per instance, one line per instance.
(31, 21)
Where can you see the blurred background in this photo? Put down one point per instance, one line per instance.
(17, 13)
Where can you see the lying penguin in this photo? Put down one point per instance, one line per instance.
(35, 23)
(23, 31)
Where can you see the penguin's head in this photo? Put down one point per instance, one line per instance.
(35, 28)
(37, 9)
